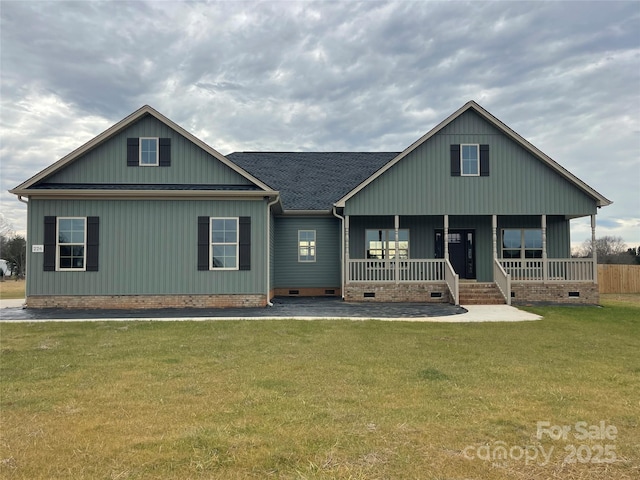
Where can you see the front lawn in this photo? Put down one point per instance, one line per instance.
(324, 399)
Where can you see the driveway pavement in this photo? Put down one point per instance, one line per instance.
(303, 308)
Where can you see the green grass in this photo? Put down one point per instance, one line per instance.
(11, 288)
(324, 399)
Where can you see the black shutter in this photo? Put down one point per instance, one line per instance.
(133, 152)
(244, 240)
(164, 159)
(484, 160)
(455, 160)
(93, 240)
(49, 244)
(203, 243)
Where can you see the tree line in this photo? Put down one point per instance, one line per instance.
(610, 250)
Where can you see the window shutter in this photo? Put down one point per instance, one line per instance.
(484, 160)
(93, 240)
(455, 160)
(133, 152)
(203, 243)
(164, 157)
(49, 244)
(244, 241)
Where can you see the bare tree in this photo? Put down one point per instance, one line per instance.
(6, 229)
(609, 249)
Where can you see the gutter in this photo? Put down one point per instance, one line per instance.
(335, 214)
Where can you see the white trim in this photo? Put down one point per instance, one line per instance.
(236, 244)
(314, 248)
(477, 174)
(71, 244)
(157, 142)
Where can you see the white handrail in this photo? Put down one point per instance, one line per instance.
(503, 280)
(453, 282)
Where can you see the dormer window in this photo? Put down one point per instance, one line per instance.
(148, 152)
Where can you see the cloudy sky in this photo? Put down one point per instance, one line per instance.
(328, 76)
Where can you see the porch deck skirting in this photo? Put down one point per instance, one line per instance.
(578, 293)
(145, 301)
(431, 292)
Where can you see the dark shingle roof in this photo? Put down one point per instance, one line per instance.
(311, 180)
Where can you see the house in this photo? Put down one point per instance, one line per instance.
(148, 215)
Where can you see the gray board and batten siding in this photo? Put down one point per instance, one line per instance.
(107, 163)
(325, 271)
(148, 247)
(518, 183)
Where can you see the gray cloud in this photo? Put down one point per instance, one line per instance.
(327, 76)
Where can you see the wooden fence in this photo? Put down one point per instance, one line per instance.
(619, 278)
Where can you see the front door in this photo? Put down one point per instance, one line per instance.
(462, 251)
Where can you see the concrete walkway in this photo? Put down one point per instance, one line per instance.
(293, 308)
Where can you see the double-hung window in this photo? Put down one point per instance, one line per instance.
(522, 243)
(306, 245)
(382, 244)
(224, 243)
(469, 160)
(148, 152)
(71, 243)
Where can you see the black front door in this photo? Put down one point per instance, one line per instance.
(462, 251)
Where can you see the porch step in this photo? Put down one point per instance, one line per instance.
(480, 293)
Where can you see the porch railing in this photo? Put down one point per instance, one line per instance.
(453, 282)
(387, 270)
(550, 270)
(503, 280)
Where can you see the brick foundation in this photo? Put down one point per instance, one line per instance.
(397, 292)
(308, 292)
(528, 293)
(145, 301)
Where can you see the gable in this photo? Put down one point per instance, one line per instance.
(518, 182)
(107, 163)
(474, 126)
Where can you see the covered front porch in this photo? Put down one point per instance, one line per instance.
(406, 258)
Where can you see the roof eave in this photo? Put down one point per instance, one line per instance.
(146, 194)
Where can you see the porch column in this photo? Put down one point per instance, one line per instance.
(594, 253)
(543, 226)
(446, 236)
(494, 231)
(347, 267)
(396, 226)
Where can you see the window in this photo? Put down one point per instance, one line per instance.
(149, 152)
(224, 243)
(382, 244)
(306, 245)
(71, 244)
(469, 160)
(522, 243)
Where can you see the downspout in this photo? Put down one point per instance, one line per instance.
(269, 205)
(335, 213)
